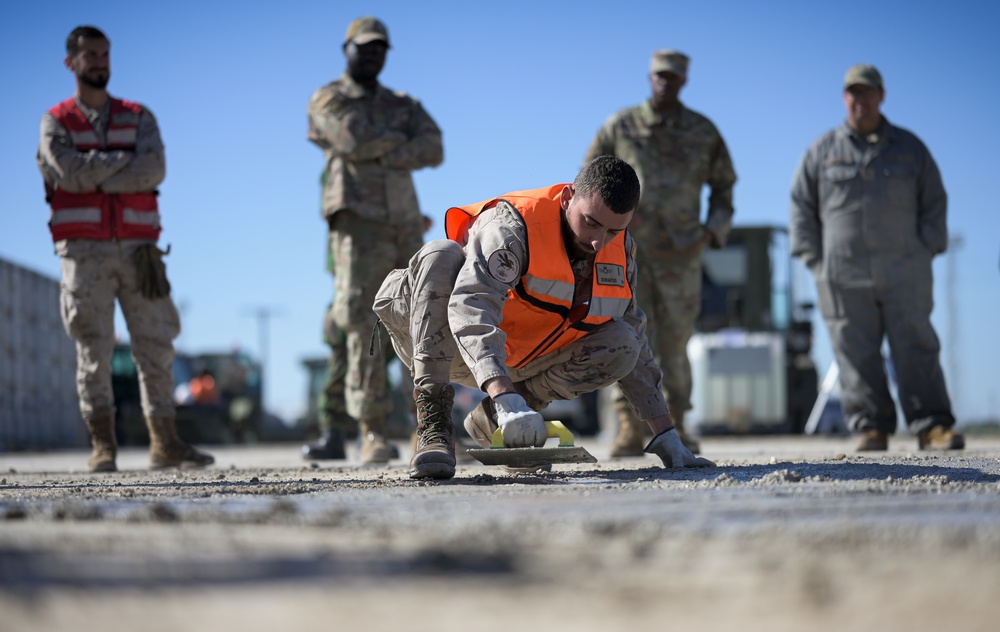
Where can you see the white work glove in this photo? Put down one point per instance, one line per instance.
(667, 445)
(520, 425)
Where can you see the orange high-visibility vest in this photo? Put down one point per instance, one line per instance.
(539, 316)
(102, 215)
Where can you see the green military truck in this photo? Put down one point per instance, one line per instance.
(231, 413)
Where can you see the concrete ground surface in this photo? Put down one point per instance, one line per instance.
(786, 533)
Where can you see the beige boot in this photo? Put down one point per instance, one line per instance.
(629, 440)
(940, 438)
(104, 447)
(689, 442)
(873, 441)
(375, 448)
(434, 456)
(166, 449)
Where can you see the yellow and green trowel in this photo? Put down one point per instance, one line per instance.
(565, 452)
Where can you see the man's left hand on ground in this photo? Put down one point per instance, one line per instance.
(667, 445)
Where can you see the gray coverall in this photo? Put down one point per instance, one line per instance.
(868, 214)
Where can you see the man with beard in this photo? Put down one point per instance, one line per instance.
(372, 138)
(101, 160)
(676, 152)
(530, 300)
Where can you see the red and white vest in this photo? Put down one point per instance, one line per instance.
(539, 316)
(102, 215)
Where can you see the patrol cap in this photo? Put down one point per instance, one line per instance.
(367, 29)
(669, 60)
(863, 74)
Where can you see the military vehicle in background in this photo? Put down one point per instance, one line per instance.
(751, 355)
(218, 397)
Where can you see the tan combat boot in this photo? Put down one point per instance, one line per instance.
(689, 442)
(375, 449)
(873, 440)
(629, 440)
(104, 447)
(479, 423)
(166, 449)
(940, 438)
(434, 456)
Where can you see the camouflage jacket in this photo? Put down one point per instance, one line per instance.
(115, 170)
(476, 307)
(674, 155)
(855, 197)
(372, 140)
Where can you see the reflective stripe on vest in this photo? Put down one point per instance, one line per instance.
(539, 316)
(102, 215)
(91, 215)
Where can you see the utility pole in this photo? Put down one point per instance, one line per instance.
(263, 314)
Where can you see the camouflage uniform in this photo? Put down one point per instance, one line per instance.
(443, 313)
(674, 154)
(371, 141)
(96, 272)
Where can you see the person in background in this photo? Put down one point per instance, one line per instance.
(868, 214)
(676, 152)
(101, 160)
(372, 139)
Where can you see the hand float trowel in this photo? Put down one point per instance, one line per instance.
(565, 452)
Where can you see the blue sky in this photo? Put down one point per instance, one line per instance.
(519, 89)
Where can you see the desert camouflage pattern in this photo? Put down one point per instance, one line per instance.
(332, 402)
(675, 156)
(463, 343)
(371, 141)
(94, 274)
(364, 252)
(115, 171)
(868, 215)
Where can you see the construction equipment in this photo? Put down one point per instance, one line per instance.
(751, 355)
(565, 452)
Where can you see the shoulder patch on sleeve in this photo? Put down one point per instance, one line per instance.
(504, 266)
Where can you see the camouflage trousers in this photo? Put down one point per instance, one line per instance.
(364, 251)
(669, 292)
(94, 274)
(332, 399)
(413, 305)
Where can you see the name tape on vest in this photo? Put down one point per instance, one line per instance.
(610, 274)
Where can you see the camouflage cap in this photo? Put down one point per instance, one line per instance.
(669, 61)
(364, 30)
(863, 74)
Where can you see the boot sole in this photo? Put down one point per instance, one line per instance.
(184, 465)
(433, 470)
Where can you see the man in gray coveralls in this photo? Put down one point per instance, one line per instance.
(868, 214)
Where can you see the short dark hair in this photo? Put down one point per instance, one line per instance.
(614, 179)
(86, 32)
